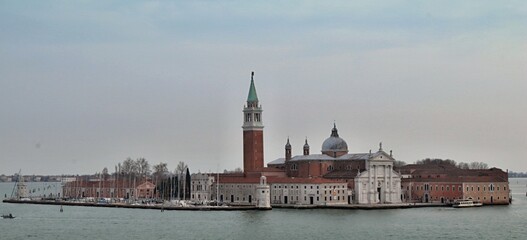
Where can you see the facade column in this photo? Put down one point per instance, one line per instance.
(386, 186)
(392, 190)
(375, 194)
(370, 190)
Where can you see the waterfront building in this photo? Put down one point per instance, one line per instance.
(336, 176)
(443, 183)
(370, 176)
(201, 187)
(332, 177)
(110, 189)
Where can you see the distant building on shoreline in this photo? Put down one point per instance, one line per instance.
(443, 183)
(112, 188)
(331, 178)
(336, 176)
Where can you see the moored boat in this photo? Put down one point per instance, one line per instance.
(466, 203)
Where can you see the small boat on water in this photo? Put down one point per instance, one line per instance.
(466, 203)
(8, 216)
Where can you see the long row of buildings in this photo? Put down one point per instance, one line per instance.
(332, 177)
(336, 176)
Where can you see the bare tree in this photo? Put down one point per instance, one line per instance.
(463, 165)
(128, 166)
(143, 166)
(478, 165)
(436, 161)
(159, 170)
(399, 163)
(180, 168)
(180, 171)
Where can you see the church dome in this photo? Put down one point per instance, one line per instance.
(334, 143)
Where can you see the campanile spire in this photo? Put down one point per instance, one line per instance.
(252, 132)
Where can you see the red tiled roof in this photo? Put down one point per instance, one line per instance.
(449, 173)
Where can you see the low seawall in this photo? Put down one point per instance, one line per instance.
(228, 208)
(363, 206)
(120, 205)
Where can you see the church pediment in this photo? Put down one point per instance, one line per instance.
(381, 156)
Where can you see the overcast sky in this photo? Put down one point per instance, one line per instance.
(84, 85)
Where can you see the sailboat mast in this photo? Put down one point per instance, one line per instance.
(16, 183)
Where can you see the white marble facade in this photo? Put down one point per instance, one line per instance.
(379, 183)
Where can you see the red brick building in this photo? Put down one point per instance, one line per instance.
(446, 183)
(109, 189)
(304, 179)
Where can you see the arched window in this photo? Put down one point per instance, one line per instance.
(294, 167)
(330, 168)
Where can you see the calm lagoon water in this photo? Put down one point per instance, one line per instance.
(46, 222)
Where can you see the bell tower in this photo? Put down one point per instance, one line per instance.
(287, 151)
(253, 159)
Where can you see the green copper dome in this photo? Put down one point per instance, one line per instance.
(252, 91)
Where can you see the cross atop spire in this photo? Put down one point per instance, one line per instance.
(252, 91)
